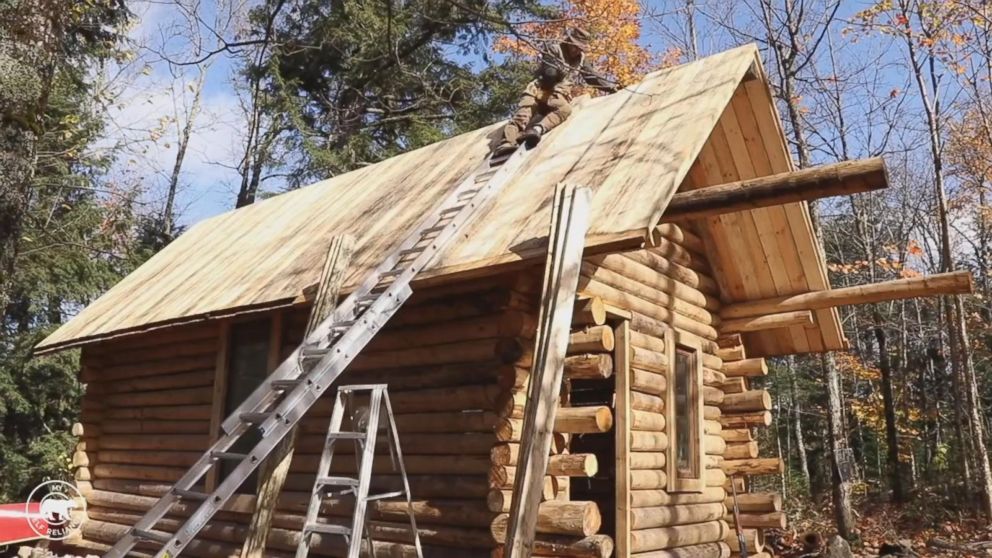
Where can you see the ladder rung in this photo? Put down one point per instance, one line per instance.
(411, 251)
(342, 326)
(254, 418)
(394, 272)
(384, 495)
(337, 481)
(346, 436)
(468, 194)
(160, 538)
(329, 529)
(229, 455)
(452, 209)
(311, 354)
(367, 300)
(190, 494)
(434, 229)
(286, 385)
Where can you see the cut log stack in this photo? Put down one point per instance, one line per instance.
(745, 408)
(666, 288)
(567, 525)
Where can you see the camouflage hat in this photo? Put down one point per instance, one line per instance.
(578, 37)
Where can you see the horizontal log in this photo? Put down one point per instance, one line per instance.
(713, 396)
(568, 420)
(646, 359)
(771, 520)
(741, 450)
(506, 324)
(748, 368)
(595, 546)
(640, 401)
(732, 353)
(595, 339)
(661, 498)
(653, 310)
(647, 518)
(756, 502)
(646, 381)
(753, 538)
(646, 459)
(957, 282)
(714, 445)
(563, 465)
(712, 412)
(592, 366)
(669, 268)
(712, 427)
(733, 385)
(707, 550)
(802, 318)
(632, 277)
(589, 311)
(746, 420)
(648, 441)
(647, 421)
(648, 480)
(757, 466)
(681, 535)
(731, 435)
(836, 179)
(750, 401)
(558, 517)
(504, 350)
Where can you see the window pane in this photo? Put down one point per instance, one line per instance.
(685, 414)
(247, 367)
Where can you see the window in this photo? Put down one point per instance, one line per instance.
(247, 367)
(685, 418)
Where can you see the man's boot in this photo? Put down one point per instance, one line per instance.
(504, 148)
(532, 136)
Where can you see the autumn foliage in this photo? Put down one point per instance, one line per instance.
(615, 49)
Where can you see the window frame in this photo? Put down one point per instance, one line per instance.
(676, 481)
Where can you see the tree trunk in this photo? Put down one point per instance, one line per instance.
(961, 363)
(838, 446)
(891, 432)
(168, 213)
(798, 422)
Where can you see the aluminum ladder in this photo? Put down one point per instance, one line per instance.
(275, 407)
(326, 481)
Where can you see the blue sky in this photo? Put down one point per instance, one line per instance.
(158, 90)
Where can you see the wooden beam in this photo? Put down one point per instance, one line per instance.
(622, 355)
(569, 223)
(272, 475)
(956, 282)
(768, 321)
(838, 179)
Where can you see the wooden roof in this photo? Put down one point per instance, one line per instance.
(634, 148)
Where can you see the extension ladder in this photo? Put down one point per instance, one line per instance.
(275, 407)
(326, 482)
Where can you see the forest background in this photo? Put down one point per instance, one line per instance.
(124, 122)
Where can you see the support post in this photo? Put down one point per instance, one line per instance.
(569, 222)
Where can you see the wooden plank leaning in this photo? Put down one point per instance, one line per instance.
(569, 223)
(272, 475)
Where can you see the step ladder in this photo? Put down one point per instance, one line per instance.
(365, 441)
(288, 393)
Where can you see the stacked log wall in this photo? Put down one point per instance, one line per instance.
(456, 360)
(667, 289)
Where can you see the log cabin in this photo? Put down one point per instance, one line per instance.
(700, 261)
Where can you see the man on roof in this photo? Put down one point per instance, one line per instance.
(546, 102)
